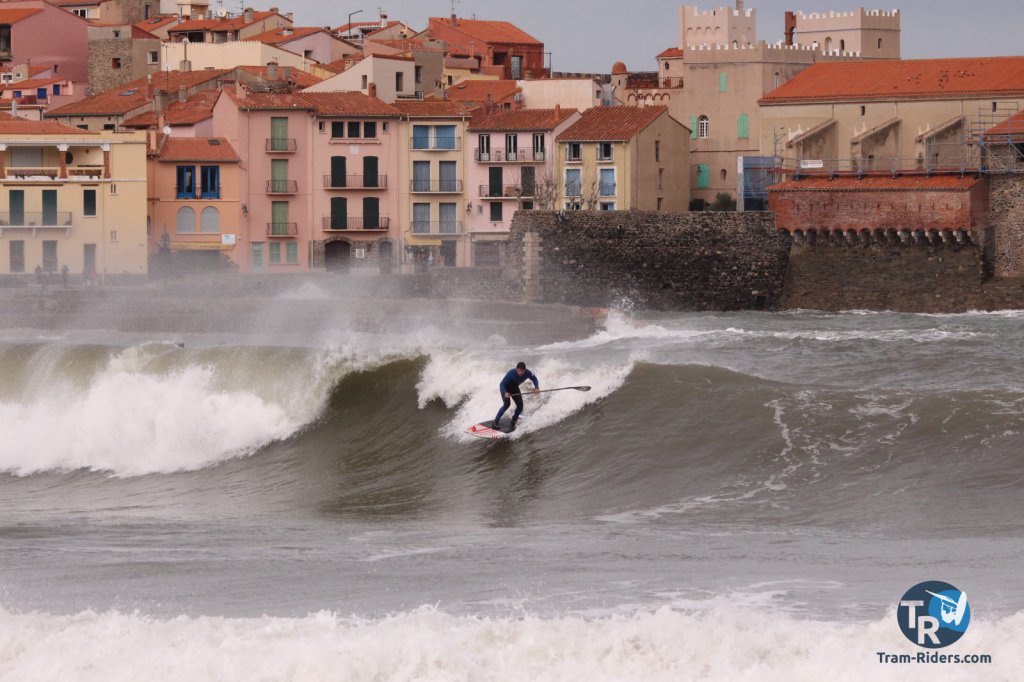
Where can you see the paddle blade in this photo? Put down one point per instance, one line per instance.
(583, 388)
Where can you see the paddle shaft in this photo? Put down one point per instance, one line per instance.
(552, 390)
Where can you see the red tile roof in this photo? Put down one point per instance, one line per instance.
(225, 24)
(22, 127)
(908, 79)
(303, 79)
(1011, 126)
(279, 36)
(492, 32)
(321, 103)
(523, 119)
(133, 95)
(13, 16)
(197, 149)
(364, 24)
(879, 183)
(142, 34)
(671, 53)
(32, 83)
(156, 23)
(198, 107)
(480, 90)
(609, 124)
(429, 109)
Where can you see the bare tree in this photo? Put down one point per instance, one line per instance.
(546, 189)
(590, 191)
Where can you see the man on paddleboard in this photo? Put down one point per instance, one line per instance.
(509, 388)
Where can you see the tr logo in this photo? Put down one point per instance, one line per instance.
(934, 614)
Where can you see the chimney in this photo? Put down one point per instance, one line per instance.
(286, 74)
(739, 5)
(161, 121)
(290, 16)
(275, 10)
(371, 90)
(247, 15)
(182, 95)
(455, 22)
(790, 27)
(271, 71)
(185, 65)
(149, 86)
(558, 113)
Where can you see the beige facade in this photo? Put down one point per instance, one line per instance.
(202, 56)
(394, 77)
(871, 34)
(722, 26)
(568, 93)
(72, 199)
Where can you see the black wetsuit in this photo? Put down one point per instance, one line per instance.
(510, 384)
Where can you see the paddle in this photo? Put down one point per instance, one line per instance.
(552, 390)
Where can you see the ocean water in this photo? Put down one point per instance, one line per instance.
(740, 497)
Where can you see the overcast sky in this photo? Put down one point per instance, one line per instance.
(591, 35)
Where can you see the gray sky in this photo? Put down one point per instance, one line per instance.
(591, 35)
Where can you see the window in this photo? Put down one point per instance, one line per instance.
(604, 151)
(660, 203)
(657, 150)
(186, 220)
(703, 127)
(153, 57)
(421, 137)
(117, 34)
(842, 45)
(496, 212)
(257, 256)
(210, 182)
(446, 137)
(353, 129)
(743, 127)
(661, 178)
(420, 176)
(399, 82)
(308, 54)
(321, 126)
(419, 74)
(56, 88)
(879, 43)
(274, 253)
(366, 83)
(209, 221)
(606, 187)
(89, 202)
(511, 146)
(115, 63)
(449, 176)
(337, 129)
(113, 235)
(703, 176)
(17, 254)
(538, 146)
(186, 186)
(606, 206)
(448, 224)
(421, 218)
(483, 149)
(41, 94)
(49, 256)
(384, 127)
(573, 182)
(574, 152)
(113, 189)
(863, 110)
(724, 174)
(279, 134)
(370, 130)
(291, 253)
(723, 82)
(778, 79)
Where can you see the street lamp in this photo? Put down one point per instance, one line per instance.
(350, 15)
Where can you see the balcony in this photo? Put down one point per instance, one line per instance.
(606, 189)
(282, 230)
(510, 156)
(282, 145)
(436, 144)
(29, 220)
(436, 186)
(434, 228)
(282, 186)
(512, 192)
(357, 182)
(52, 172)
(354, 224)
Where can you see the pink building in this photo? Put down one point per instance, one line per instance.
(512, 168)
(27, 35)
(318, 179)
(313, 43)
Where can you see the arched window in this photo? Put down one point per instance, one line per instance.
(724, 174)
(879, 43)
(778, 79)
(703, 127)
(842, 45)
(186, 220)
(828, 44)
(743, 127)
(209, 221)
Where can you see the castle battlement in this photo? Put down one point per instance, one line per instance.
(847, 15)
(696, 12)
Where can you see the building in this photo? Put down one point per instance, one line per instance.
(71, 199)
(158, 25)
(433, 201)
(503, 49)
(244, 26)
(194, 207)
(885, 116)
(512, 168)
(394, 77)
(27, 31)
(624, 158)
(487, 94)
(871, 34)
(567, 92)
(119, 54)
(309, 42)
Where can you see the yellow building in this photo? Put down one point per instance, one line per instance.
(624, 159)
(71, 199)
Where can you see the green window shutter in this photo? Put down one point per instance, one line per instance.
(743, 131)
(722, 82)
(693, 127)
(703, 176)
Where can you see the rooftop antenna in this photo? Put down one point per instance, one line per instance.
(454, 2)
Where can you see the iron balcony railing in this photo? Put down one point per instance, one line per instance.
(282, 144)
(510, 156)
(505, 192)
(436, 227)
(282, 186)
(35, 219)
(355, 182)
(276, 229)
(436, 186)
(346, 223)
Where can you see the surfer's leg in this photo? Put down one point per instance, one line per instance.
(504, 406)
(519, 408)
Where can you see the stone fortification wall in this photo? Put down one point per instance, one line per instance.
(652, 260)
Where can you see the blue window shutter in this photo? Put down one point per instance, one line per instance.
(703, 176)
(722, 82)
(743, 127)
(693, 127)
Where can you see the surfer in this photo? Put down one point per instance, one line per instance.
(509, 388)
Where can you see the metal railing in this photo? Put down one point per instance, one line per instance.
(506, 192)
(437, 144)
(282, 144)
(573, 189)
(436, 227)
(346, 223)
(355, 182)
(942, 163)
(282, 186)
(510, 156)
(606, 189)
(282, 229)
(436, 186)
(52, 172)
(35, 219)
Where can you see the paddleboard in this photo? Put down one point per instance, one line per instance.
(490, 431)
